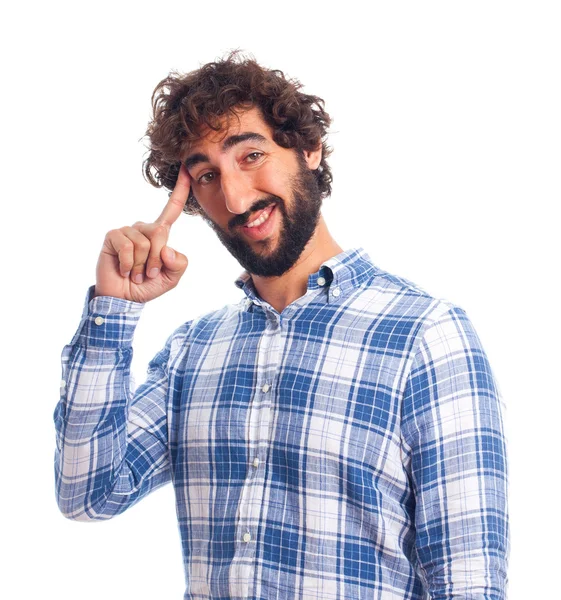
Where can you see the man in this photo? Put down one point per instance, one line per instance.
(335, 435)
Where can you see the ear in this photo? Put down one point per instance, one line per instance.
(313, 158)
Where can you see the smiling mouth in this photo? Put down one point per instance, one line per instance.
(263, 216)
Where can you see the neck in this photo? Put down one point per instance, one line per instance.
(281, 291)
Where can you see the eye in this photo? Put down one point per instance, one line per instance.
(254, 156)
(205, 178)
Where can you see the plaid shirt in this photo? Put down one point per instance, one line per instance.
(350, 447)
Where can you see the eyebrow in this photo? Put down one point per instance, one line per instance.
(195, 159)
(242, 137)
(228, 143)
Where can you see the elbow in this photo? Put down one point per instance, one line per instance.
(75, 509)
(76, 504)
(80, 516)
(79, 496)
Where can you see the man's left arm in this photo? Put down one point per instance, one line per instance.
(455, 451)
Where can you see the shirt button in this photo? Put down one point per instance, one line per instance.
(62, 384)
(99, 321)
(256, 462)
(247, 537)
(336, 292)
(321, 280)
(266, 388)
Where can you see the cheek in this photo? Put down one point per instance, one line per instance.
(220, 217)
(210, 212)
(209, 198)
(273, 181)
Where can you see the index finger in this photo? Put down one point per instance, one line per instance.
(177, 200)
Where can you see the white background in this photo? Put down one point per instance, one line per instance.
(446, 130)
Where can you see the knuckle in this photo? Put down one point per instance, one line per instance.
(144, 245)
(141, 245)
(126, 262)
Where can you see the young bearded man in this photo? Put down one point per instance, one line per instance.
(338, 433)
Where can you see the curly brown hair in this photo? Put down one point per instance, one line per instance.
(183, 105)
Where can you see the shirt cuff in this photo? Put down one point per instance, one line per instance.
(107, 322)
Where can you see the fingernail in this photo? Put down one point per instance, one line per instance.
(171, 253)
(138, 278)
(127, 274)
(153, 272)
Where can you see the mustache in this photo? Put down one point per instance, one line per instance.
(259, 205)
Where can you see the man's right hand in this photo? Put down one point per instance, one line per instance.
(135, 263)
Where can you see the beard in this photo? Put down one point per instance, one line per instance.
(299, 221)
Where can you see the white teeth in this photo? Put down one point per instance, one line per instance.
(264, 216)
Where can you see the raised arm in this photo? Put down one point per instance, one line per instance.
(112, 443)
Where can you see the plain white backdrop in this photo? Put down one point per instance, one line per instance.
(446, 135)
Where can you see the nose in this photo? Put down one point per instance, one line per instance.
(238, 195)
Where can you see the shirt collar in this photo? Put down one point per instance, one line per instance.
(344, 272)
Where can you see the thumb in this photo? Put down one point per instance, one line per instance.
(174, 262)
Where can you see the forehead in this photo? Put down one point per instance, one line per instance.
(241, 121)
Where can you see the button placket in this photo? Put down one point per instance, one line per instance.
(259, 420)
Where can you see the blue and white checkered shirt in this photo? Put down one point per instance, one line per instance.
(350, 447)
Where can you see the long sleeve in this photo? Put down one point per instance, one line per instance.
(111, 445)
(454, 443)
